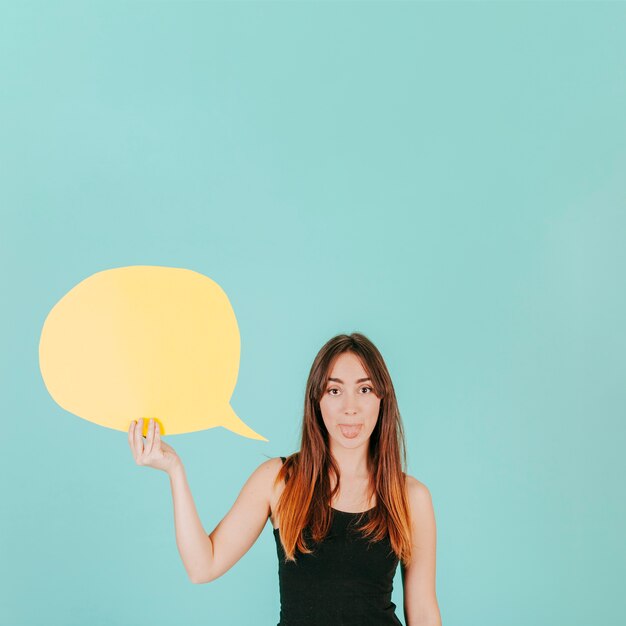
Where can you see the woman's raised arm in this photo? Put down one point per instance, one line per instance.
(207, 557)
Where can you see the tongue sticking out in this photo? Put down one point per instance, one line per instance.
(350, 432)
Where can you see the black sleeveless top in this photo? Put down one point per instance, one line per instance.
(345, 581)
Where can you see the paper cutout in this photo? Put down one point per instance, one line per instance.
(145, 341)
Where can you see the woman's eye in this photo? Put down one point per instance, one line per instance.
(332, 389)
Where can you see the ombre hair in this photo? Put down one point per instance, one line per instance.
(305, 501)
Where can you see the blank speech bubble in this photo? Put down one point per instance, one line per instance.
(145, 341)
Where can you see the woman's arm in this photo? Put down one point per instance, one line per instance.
(194, 546)
(418, 579)
(206, 557)
(209, 557)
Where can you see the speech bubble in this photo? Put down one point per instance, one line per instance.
(144, 341)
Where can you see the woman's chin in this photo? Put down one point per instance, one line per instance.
(350, 444)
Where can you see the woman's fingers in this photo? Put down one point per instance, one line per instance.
(131, 438)
(150, 438)
(139, 440)
(149, 450)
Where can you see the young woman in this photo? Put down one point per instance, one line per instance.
(343, 511)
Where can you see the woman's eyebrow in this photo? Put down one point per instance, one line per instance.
(338, 380)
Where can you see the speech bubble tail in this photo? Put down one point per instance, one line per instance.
(235, 424)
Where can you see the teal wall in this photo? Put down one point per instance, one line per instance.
(447, 178)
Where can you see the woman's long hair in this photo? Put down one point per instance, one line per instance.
(305, 501)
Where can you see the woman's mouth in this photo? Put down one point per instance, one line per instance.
(350, 431)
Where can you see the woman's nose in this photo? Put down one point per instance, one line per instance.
(351, 403)
(349, 407)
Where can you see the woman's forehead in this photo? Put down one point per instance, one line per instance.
(348, 368)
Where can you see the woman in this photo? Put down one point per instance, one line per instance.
(343, 511)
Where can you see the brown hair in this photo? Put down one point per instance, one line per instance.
(305, 501)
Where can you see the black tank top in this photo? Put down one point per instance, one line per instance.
(345, 581)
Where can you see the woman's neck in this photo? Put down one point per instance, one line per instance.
(352, 462)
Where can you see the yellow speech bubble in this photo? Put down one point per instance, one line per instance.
(144, 341)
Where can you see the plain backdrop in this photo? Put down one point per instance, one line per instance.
(447, 178)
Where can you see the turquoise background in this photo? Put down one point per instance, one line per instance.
(447, 178)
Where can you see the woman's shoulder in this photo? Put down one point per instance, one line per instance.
(276, 487)
(277, 462)
(418, 493)
(269, 470)
(412, 484)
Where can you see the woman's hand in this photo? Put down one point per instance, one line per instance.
(151, 451)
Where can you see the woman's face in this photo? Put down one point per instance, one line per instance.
(349, 406)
